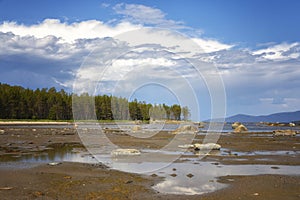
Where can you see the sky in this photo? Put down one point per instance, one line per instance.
(233, 56)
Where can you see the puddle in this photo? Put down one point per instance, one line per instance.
(225, 152)
(187, 176)
(204, 179)
(59, 154)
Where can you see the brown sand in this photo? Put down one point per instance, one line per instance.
(95, 181)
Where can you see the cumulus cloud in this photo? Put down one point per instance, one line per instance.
(67, 32)
(282, 51)
(51, 52)
(209, 45)
(142, 14)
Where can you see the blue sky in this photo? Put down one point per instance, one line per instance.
(254, 45)
(233, 21)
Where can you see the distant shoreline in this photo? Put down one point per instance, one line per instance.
(41, 122)
(34, 123)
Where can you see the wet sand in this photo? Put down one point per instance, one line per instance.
(95, 181)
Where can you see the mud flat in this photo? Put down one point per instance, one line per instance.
(248, 166)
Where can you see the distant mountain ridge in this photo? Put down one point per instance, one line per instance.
(276, 117)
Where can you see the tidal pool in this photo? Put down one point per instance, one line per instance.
(186, 176)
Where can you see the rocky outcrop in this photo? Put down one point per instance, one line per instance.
(235, 125)
(240, 128)
(125, 152)
(292, 124)
(284, 133)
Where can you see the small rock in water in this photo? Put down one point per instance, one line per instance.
(2, 131)
(274, 167)
(54, 163)
(190, 175)
(256, 194)
(174, 175)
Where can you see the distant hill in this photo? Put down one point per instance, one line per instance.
(276, 117)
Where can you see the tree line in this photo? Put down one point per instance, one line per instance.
(17, 102)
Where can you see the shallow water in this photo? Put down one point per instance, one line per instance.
(60, 154)
(188, 176)
(201, 178)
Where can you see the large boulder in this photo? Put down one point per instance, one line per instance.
(235, 124)
(186, 129)
(125, 152)
(284, 133)
(292, 124)
(240, 128)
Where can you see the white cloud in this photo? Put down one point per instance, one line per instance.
(56, 49)
(209, 45)
(279, 52)
(67, 32)
(142, 14)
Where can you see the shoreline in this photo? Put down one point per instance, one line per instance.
(71, 180)
(34, 123)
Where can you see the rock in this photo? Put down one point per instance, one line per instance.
(186, 146)
(2, 131)
(240, 128)
(284, 133)
(136, 128)
(197, 147)
(292, 124)
(129, 181)
(207, 146)
(235, 125)
(6, 188)
(190, 175)
(186, 129)
(54, 163)
(138, 122)
(125, 152)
